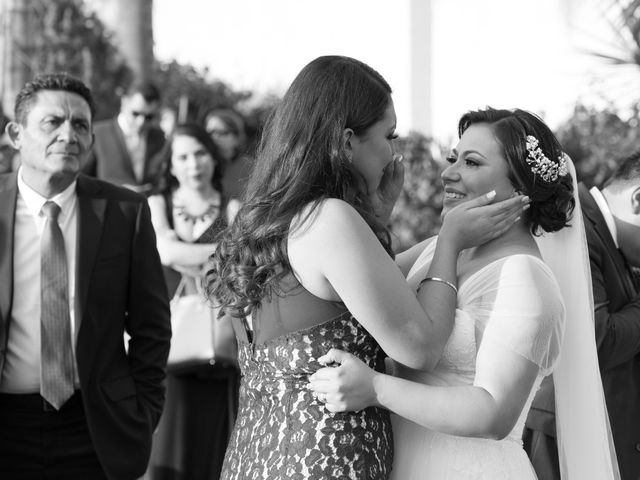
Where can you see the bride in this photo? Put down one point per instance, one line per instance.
(523, 309)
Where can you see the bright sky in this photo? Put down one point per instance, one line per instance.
(503, 53)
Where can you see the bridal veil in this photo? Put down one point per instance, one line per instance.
(585, 443)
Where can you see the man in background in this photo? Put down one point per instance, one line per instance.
(612, 224)
(9, 159)
(127, 149)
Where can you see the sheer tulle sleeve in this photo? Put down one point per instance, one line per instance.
(517, 306)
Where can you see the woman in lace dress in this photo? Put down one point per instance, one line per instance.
(464, 418)
(307, 266)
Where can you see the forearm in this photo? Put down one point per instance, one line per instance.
(468, 411)
(176, 252)
(173, 251)
(438, 299)
(406, 259)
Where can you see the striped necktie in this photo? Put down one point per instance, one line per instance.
(56, 378)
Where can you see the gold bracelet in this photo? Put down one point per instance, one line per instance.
(437, 279)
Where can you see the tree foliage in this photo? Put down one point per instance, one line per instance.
(597, 140)
(72, 39)
(202, 93)
(416, 215)
(182, 83)
(623, 16)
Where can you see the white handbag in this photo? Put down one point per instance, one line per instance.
(198, 336)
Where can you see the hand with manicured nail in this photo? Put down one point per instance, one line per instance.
(479, 220)
(389, 188)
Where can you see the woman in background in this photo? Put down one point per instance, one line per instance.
(228, 131)
(201, 399)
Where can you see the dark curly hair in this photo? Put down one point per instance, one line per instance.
(50, 81)
(301, 160)
(627, 173)
(552, 202)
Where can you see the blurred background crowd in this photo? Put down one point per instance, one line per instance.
(110, 46)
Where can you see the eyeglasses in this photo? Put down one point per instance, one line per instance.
(214, 132)
(147, 116)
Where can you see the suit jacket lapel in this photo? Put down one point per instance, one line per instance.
(121, 144)
(8, 198)
(90, 224)
(593, 214)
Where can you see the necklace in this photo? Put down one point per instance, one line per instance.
(209, 214)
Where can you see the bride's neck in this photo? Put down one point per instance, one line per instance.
(517, 239)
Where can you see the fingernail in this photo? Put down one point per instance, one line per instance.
(491, 194)
(516, 220)
(525, 199)
(526, 207)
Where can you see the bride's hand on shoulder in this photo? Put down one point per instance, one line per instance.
(347, 386)
(479, 220)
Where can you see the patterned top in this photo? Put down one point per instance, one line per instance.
(209, 235)
(283, 432)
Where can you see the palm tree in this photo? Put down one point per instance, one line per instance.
(621, 53)
(597, 138)
(16, 49)
(132, 27)
(43, 36)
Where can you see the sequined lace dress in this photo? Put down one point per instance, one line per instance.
(282, 431)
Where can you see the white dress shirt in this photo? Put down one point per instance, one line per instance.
(21, 373)
(136, 146)
(606, 213)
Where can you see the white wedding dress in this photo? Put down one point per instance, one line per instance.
(513, 303)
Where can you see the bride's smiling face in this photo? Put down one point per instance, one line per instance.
(476, 166)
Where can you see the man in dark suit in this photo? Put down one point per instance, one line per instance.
(78, 269)
(612, 223)
(127, 149)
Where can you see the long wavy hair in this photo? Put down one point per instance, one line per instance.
(301, 160)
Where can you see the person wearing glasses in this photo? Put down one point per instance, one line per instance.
(228, 131)
(127, 148)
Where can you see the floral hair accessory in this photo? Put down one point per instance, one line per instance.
(540, 163)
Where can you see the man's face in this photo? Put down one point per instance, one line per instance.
(139, 113)
(625, 207)
(56, 136)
